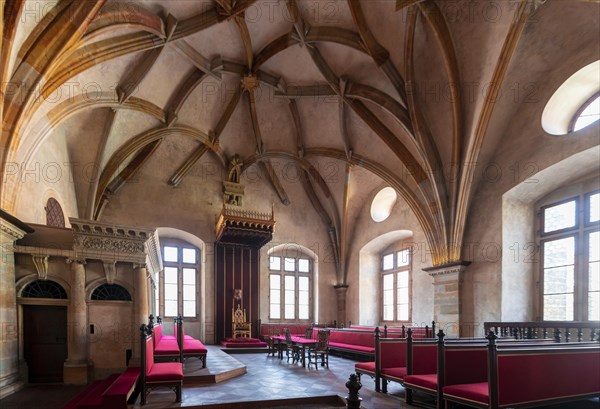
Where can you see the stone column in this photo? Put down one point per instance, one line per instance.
(77, 365)
(447, 296)
(11, 230)
(141, 306)
(341, 303)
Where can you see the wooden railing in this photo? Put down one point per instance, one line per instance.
(561, 331)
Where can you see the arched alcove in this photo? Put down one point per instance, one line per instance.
(369, 270)
(520, 255)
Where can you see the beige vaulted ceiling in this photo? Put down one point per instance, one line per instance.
(399, 91)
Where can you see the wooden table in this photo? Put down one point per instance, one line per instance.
(300, 341)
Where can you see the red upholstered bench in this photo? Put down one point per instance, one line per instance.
(391, 360)
(168, 374)
(353, 341)
(422, 366)
(525, 375)
(191, 347)
(110, 393)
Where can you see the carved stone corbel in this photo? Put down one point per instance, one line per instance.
(41, 266)
(110, 271)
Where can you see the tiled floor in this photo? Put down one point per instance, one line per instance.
(266, 378)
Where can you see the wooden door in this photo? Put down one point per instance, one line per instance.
(45, 342)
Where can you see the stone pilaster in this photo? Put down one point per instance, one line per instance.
(77, 364)
(140, 275)
(11, 230)
(341, 291)
(447, 296)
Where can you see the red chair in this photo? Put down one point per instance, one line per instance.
(154, 375)
(190, 347)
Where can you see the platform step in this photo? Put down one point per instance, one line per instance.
(94, 399)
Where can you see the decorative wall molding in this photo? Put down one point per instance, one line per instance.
(154, 258)
(110, 271)
(109, 242)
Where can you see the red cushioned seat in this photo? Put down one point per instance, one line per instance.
(193, 346)
(352, 347)
(422, 381)
(365, 367)
(166, 347)
(164, 372)
(477, 392)
(168, 338)
(396, 373)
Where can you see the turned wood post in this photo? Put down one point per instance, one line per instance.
(557, 334)
(492, 370)
(377, 361)
(440, 369)
(409, 364)
(432, 329)
(353, 399)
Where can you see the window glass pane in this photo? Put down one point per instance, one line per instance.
(171, 275)
(588, 116)
(558, 307)
(594, 273)
(303, 283)
(403, 258)
(189, 292)
(171, 292)
(303, 265)
(290, 282)
(559, 217)
(303, 298)
(170, 254)
(275, 280)
(289, 312)
(157, 295)
(170, 308)
(189, 256)
(388, 262)
(189, 308)
(289, 264)
(388, 312)
(403, 312)
(559, 252)
(189, 276)
(275, 313)
(403, 279)
(388, 282)
(303, 312)
(594, 306)
(559, 280)
(594, 246)
(594, 204)
(276, 296)
(275, 263)
(388, 297)
(403, 295)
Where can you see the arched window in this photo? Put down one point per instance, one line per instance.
(54, 213)
(569, 237)
(178, 286)
(111, 292)
(290, 287)
(44, 289)
(396, 286)
(587, 115)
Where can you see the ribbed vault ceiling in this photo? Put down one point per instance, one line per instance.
(400, 89)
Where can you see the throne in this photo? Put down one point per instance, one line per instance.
(240, 328)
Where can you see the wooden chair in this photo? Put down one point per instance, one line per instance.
(154, 375)
(290, 347)
(308, 333)
(321, 349)
(239, 325)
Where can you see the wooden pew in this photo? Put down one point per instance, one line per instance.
(153, 375)
(524, 375)
(166, 347)
(190, 347)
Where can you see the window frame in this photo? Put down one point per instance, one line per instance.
(395, 270)
(581, 234)
(296, 273)
(180, 265)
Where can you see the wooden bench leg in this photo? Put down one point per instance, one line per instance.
(409, 396)
(178, 393)
(384, 384)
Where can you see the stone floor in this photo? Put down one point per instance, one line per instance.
(266, 378)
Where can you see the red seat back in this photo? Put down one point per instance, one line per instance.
(149, 355)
